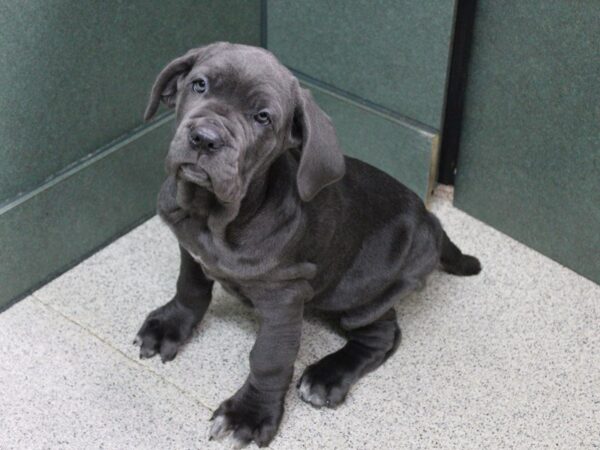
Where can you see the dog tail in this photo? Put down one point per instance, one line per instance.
(453, 261)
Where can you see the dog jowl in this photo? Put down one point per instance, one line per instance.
(262, 200)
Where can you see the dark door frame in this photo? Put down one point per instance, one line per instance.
(455, 90)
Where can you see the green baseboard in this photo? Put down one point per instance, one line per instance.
(53, 227)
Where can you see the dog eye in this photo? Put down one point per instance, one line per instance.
(199, 86)
(263, 118)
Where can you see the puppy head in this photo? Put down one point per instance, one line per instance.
(238, 109)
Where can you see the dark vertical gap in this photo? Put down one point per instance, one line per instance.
(263, 23)
(455, 91)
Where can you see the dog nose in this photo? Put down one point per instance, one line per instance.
(205, 139)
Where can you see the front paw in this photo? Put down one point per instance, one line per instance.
(251, 415)
(165, 330)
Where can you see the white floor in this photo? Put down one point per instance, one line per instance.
(510, 358)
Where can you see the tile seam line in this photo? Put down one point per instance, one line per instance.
(365, 104)
(82, 163)
(91, 333)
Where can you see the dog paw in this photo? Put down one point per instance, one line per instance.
(320, 386)
(248, 416)
(165, 330)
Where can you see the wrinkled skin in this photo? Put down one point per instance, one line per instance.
(274, 212)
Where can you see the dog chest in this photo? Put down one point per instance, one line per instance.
(231, 267)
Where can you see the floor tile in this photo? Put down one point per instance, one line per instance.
(64, 388)
(507, 358)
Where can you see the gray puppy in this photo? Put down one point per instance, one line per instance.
(262, 200)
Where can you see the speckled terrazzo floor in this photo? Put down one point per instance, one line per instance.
(510, 358)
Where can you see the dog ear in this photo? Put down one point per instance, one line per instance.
(321, 160)
(165, 86)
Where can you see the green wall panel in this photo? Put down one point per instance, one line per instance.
(76, 168)
(405, 152)
(393, 53)
(50, 230)
(76, 74)
(529, 160)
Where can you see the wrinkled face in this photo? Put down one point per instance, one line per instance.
(237, 110)
(234, 109)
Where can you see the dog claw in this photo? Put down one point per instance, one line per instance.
(137, 341)
(146, 353)
(220, 428)
(239, 443)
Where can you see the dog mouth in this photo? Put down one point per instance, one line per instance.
(194, 175)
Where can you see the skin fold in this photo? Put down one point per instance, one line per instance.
(262, 200)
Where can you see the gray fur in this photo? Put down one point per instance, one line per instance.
(285, 222)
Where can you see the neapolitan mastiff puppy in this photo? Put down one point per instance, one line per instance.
(262, 200)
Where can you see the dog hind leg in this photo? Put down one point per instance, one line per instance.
(328, 381)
